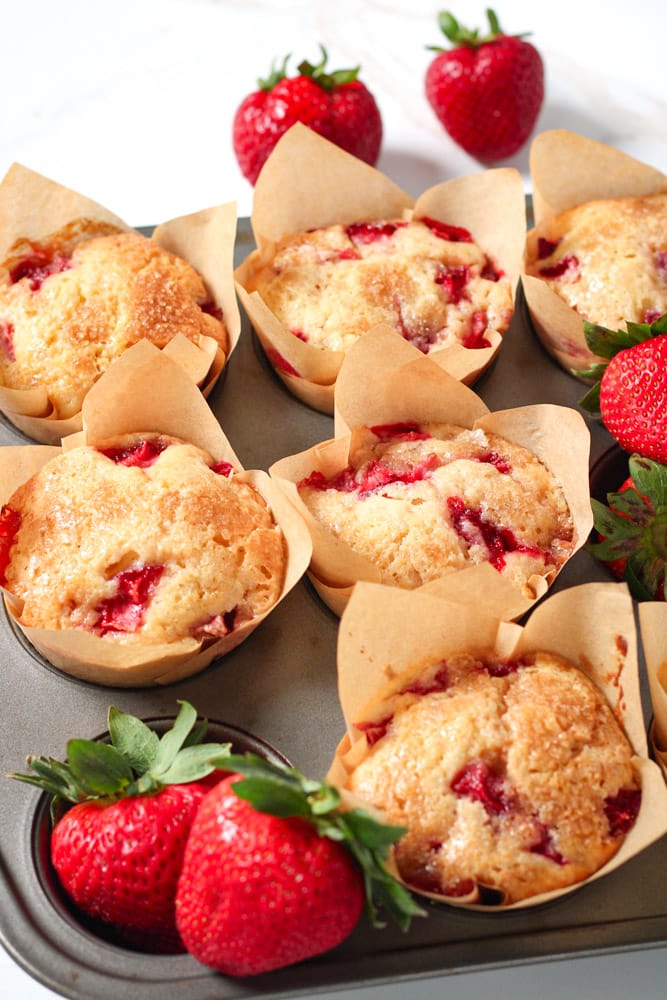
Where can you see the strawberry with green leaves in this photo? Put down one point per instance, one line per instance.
(118, 850)
(629, 388)
(334, 103)
(487, 90)
(277, 871)
(632, 529)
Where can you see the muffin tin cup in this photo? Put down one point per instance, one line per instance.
(281, 684)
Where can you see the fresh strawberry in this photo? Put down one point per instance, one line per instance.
(275, 871)
(630, 389)
(487, 91)
(337, 105)
(118, 851)
(632, 530)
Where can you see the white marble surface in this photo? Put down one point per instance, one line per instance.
(131, 103)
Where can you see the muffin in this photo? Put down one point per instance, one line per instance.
(72, 302)
(140, 540)
(427, 280)
(421, 501)
(512, 776)
(607, 258)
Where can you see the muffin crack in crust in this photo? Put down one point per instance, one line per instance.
(74, 302)
(511, 776)
(140, 541)
(431, 499)
(429, 281)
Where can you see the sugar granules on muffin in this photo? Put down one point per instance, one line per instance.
(428, 280)
(513, 777)
(422, 501)
(140, 539)
(73, 302)
(606, 258)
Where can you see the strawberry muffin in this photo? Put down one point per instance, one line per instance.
(72, 303)
(427, 280)
(513, 777)
(420, 501)
(140, 540)
(607, 259)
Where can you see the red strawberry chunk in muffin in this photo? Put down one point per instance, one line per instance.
(453, 234)
(475, 338)
(125, 611)
(454, 281)
(10, 522)
(140, 454)
(546, 247)
(438, 682)
(225, 469)
(477, 781)
(621, 810)
(402, 431)
(40, 265)
(471, 525)
(371, 232)
(566, 267)
(498, 461)
(375, 730)
(491, 271)
(546, 846)
(7, 339)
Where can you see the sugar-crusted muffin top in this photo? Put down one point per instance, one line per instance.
(429, 281)
(606, 259)
(140, 540)
(72, 303)
(513, 777)
(422, 501)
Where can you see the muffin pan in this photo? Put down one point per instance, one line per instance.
(280, 687)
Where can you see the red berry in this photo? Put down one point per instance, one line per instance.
(633, 398)
(486, 91)
(258, 892)
(336, 105)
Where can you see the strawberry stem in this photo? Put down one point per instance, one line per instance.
(460, 36)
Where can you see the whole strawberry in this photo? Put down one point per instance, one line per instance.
(487, 91)
(118, 851)
(631, 394)
(275, 872)
(632, 530)
(337, 105)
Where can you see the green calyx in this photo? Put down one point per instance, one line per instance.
(606, 344)
(317, 73)
(285, 792)
(135, 761)
(460, 36)
(634, 528)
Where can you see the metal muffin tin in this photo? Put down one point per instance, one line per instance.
(280, 685)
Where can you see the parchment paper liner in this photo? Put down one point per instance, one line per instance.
(653, 626)
(408, 386)
(33, 207)
(567, 170)
(123, 401)
(309, 182)
(386, 633)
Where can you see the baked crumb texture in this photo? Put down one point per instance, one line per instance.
(606, 259)
(72, 303)
(423, 501)
(513, 778)
(142, 540)
(429, 281)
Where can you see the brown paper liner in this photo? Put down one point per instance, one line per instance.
(33, 207)
(653, 626)
(309, 182)
(408, 386)
(180, 410)
(568, 170)
(386, 633)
